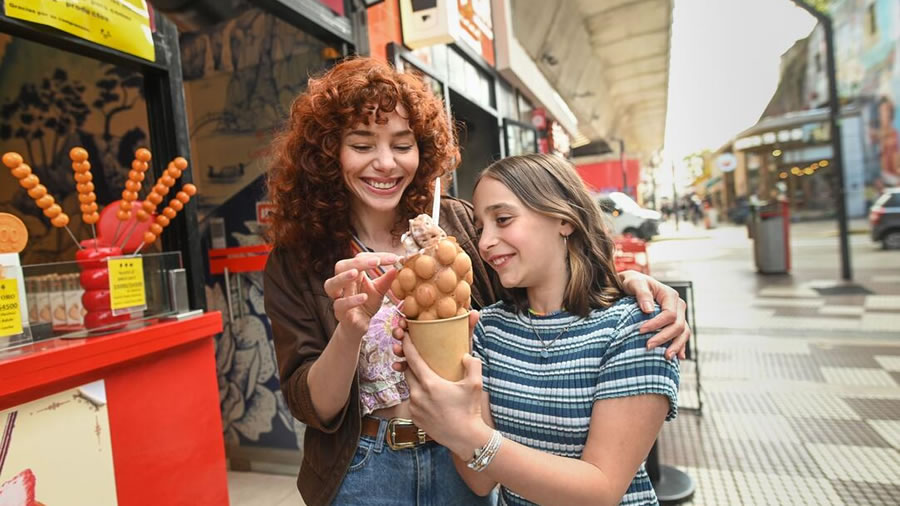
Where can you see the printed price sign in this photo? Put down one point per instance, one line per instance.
(120, 24)
(10, 317)
(126, 284)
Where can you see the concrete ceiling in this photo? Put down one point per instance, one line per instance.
(608, 59)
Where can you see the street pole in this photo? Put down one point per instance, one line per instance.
(622, 166)
(836, 142)
(675, 204)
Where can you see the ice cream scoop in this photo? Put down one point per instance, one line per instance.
(435, 280)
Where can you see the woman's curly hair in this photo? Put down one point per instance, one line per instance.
(305, 183)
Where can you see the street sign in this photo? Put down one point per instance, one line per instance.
(726, 162)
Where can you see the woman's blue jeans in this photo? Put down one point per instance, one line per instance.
(421, 476)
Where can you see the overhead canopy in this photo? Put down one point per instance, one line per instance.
(608, 59)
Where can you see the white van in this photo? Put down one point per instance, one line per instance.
(627, 217)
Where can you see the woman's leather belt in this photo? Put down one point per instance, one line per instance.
(401, 433)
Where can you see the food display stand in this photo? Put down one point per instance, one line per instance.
(166, 439)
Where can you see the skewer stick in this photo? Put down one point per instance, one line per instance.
(116, 235)
(73, 237)
(138, 250)
(128, 236)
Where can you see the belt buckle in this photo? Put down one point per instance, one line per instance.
(392, 434)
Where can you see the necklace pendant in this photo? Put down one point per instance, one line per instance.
(545, 353)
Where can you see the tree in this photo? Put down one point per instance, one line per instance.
(44, 116)
(820, 5)
(120, 89)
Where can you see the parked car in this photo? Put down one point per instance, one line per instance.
(885, 219)
(627, 217)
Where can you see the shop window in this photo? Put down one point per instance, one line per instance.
(436, 87)
(434, 58)
(525, 109)
(521, 138)
(506, 100)
(473, 82)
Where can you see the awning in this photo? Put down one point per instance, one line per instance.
(609, 61)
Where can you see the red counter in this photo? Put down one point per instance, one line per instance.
(163, 403)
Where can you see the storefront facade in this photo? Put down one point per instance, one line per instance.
(791, 156)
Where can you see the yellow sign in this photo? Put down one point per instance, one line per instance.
(10, 317)
(120, 24)
(126, 283)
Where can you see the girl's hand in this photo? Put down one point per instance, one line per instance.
(448, 412)
(356, 297)
(670, 322)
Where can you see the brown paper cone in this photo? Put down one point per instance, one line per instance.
(442, 344)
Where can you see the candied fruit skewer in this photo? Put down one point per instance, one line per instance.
(158, 191)
(168, 214)
(139, 166)
(28, 180)
(86, 196)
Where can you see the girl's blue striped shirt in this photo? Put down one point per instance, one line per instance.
(546, 402)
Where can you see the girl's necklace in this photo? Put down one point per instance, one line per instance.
(545, 347)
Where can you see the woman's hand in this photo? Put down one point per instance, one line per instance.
(356, 297)
(448, 412)
(670, 322)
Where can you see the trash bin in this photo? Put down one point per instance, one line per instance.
(769, 227)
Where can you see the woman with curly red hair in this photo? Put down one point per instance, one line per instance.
(356, 160)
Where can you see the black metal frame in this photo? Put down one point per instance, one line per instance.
(312, 17)
(685, 290)
(164, 93)
(673, 486)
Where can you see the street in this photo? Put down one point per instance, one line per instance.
(800, 374)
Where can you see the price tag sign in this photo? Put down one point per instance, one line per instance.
(10, 317)
(126, 284)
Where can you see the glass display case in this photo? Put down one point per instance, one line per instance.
(102, 292)
(14, 328)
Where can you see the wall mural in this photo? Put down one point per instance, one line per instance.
(253, 409)
(868, 55)
(51, 101)
(240, 79)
